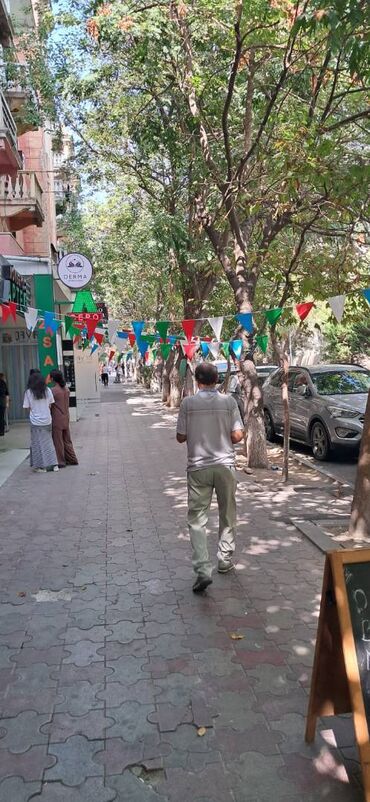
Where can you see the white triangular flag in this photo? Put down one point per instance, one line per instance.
(216, 323)
(214, 349)
(112, 330)
(31, 317)
(336, 304)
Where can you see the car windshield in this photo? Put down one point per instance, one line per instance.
(341, 382)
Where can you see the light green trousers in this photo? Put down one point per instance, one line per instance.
(201, 485)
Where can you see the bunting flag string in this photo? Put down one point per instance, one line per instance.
(303, 310)
(86, 328)
(246, 320)
(336, 304)
(188, 327)
(9, 310)
(216, 324)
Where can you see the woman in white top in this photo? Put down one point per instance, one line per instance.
(38, 399)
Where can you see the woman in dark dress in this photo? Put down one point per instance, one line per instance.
(60, 421)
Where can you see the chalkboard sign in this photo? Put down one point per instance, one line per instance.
(357, 578)
(341, 671)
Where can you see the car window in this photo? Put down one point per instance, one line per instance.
(300, 380)
(342, 382)
(276, 379)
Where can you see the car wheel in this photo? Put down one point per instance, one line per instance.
(320, 442)
(269, 426)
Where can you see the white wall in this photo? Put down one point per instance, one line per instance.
(87, 380)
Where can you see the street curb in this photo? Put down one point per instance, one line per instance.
(324, 471)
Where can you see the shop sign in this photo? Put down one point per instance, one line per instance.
(102, 307)
(47, 352)
(75, 270)
(14, 287)
(82, 317)
(18, 337)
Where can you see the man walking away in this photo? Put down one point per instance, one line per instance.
(210, 424)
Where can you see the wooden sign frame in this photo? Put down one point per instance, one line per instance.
(336, 681)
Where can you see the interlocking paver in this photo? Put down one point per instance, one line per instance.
(28, 765)
(112, 658)
(75, 761)
(93, 725)
(14, 789)
(92, 790)
(20, 733)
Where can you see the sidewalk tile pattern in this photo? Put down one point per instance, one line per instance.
(117, 684)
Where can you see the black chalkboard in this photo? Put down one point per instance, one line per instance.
(357, 579)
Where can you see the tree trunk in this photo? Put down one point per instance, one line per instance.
(256, 448)
(156, 381)
(359, 526)
(281, 357)
(285, 397)
(174, 399)
(166, 386)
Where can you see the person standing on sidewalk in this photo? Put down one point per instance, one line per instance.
(210, 424)
(38, 398)
(4, 401)
(60, 421)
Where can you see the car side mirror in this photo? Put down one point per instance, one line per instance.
(303, 390)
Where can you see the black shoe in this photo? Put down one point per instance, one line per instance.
(201, 583)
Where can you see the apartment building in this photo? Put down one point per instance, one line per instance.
(28, 231)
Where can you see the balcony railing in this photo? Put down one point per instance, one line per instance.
(21, 199)
(7, 122)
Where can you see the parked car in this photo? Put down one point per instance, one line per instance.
(327, 406)
(263, 371)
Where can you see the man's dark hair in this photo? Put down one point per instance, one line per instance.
(206, 373)
(57, 377)
(37, 385)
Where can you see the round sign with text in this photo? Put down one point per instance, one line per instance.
(75, 270)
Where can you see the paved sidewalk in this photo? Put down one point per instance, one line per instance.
(109, 665)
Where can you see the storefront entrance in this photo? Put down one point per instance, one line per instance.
(18, 354)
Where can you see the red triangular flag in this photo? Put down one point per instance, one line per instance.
(99, 337)
(304, 309)
(132, 338)
(9, 309)
(111, 355)
(91, 325)
(188, 327)
(190, 349)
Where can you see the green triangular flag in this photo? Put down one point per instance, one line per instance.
(262, 342)
(70, 326)
(149, 338)
(225, 348)
(272, 315)
(162, 327)
(165, 350)
(84, 302)
(85, 345)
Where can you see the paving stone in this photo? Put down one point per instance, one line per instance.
(128, 669)
(260, 774)
(13, 789)
(118, 755)
(82, 653)
(95, 673)
(79, 698)
(28, 765)
(133, 789)
(74, 635)
(169, 717)
(131, 721)
(116, 693)
(30, 655)
(75, 760)
(20, 733)
(92, 790)
(39, 701)
(211, 783)
(92, 725)
(32, 678)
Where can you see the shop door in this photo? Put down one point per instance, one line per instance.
(16, 362)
